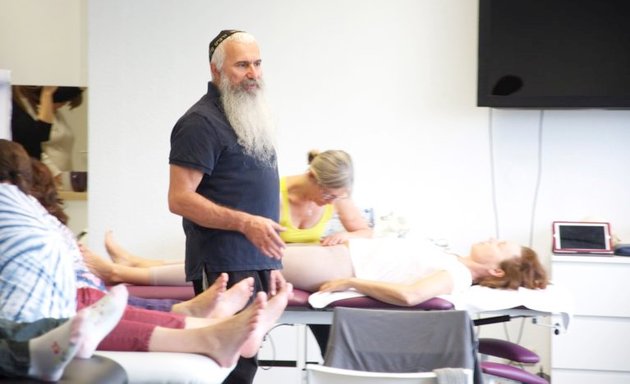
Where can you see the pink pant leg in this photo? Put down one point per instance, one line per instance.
(131, 336)
(88, 296)
(164, 319)
(134, 330)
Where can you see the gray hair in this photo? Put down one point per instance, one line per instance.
(219, 53)
(332, 169)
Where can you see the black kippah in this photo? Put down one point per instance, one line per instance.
(224, 34)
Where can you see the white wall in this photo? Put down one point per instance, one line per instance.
(44, 42)
(393, 82)
(386, 82)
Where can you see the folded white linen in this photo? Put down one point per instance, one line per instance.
(478, 299)
(553, 299)
(323, 299)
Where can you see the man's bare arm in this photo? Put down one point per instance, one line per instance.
(183, 200)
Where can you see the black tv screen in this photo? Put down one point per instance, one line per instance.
(554, 53)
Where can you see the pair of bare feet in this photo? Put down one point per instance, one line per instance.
(241, 334)
(124, 267)
(226, 339)
(214, 303)
(217, 301)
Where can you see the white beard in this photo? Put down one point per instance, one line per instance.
(250, 118)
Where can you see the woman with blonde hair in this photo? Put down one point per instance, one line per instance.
(309, 201)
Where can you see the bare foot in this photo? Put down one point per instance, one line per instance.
(225, 339)
(102, 268)
(116, 252)
(121, 256)
(204, 304)
(234, 299)
(272, 312)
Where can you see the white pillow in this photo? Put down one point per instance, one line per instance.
(168, 367)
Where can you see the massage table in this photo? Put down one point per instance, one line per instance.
(480, 302)
(485, 305)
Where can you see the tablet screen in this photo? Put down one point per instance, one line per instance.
(582, 237)
(572, 237)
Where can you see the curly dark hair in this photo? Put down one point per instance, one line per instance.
(44, 190)
(15, 165)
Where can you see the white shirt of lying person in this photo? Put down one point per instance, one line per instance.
(405, 260)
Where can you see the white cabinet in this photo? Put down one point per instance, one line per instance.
(596, 346)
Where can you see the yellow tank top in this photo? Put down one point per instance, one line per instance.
(298, 235)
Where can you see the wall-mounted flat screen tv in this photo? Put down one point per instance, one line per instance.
(554, 54)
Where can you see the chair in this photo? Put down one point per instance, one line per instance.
(320, 374)
(513, 352)
(399, 341)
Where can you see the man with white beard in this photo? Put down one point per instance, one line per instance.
(224, 178)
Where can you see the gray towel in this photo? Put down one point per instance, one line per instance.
(402, 341)
(451, 376)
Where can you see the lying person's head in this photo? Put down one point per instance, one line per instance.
(15, 165)
(509, 265)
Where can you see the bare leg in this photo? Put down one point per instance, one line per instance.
(308, 267)
(216, 302)
(221, 341)
(112, 273)
(121, 256)
(168, 274)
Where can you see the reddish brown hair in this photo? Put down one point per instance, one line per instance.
(525, 271)
(15, 165)
(44, 190)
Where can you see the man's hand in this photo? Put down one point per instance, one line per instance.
(263, 233)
